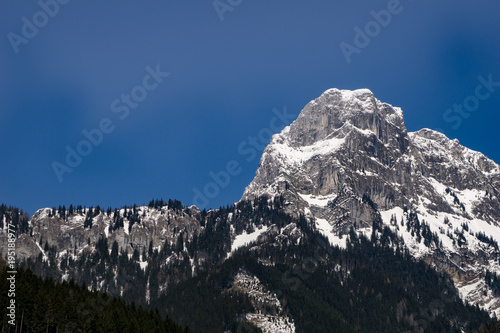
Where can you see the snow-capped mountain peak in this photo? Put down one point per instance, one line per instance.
(348, 157)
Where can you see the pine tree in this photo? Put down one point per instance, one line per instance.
(150, 250)
(114, 252)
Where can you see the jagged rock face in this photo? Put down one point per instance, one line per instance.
(328, 114)
(269, 315)
(456, 166)
(346, 145)
(158, 226)
(341, 138)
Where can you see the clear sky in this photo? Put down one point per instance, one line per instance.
(100, 67)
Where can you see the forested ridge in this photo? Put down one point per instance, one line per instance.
(373, 285)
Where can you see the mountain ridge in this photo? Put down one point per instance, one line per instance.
(346, 168)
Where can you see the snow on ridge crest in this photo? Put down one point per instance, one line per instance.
(349, 93)
(429, 134)
(434, 142)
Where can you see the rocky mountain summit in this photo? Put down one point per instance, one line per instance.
(348, 157)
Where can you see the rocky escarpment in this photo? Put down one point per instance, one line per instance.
(340, 138)
(135, 228)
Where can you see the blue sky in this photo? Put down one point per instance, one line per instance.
(69, 68)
